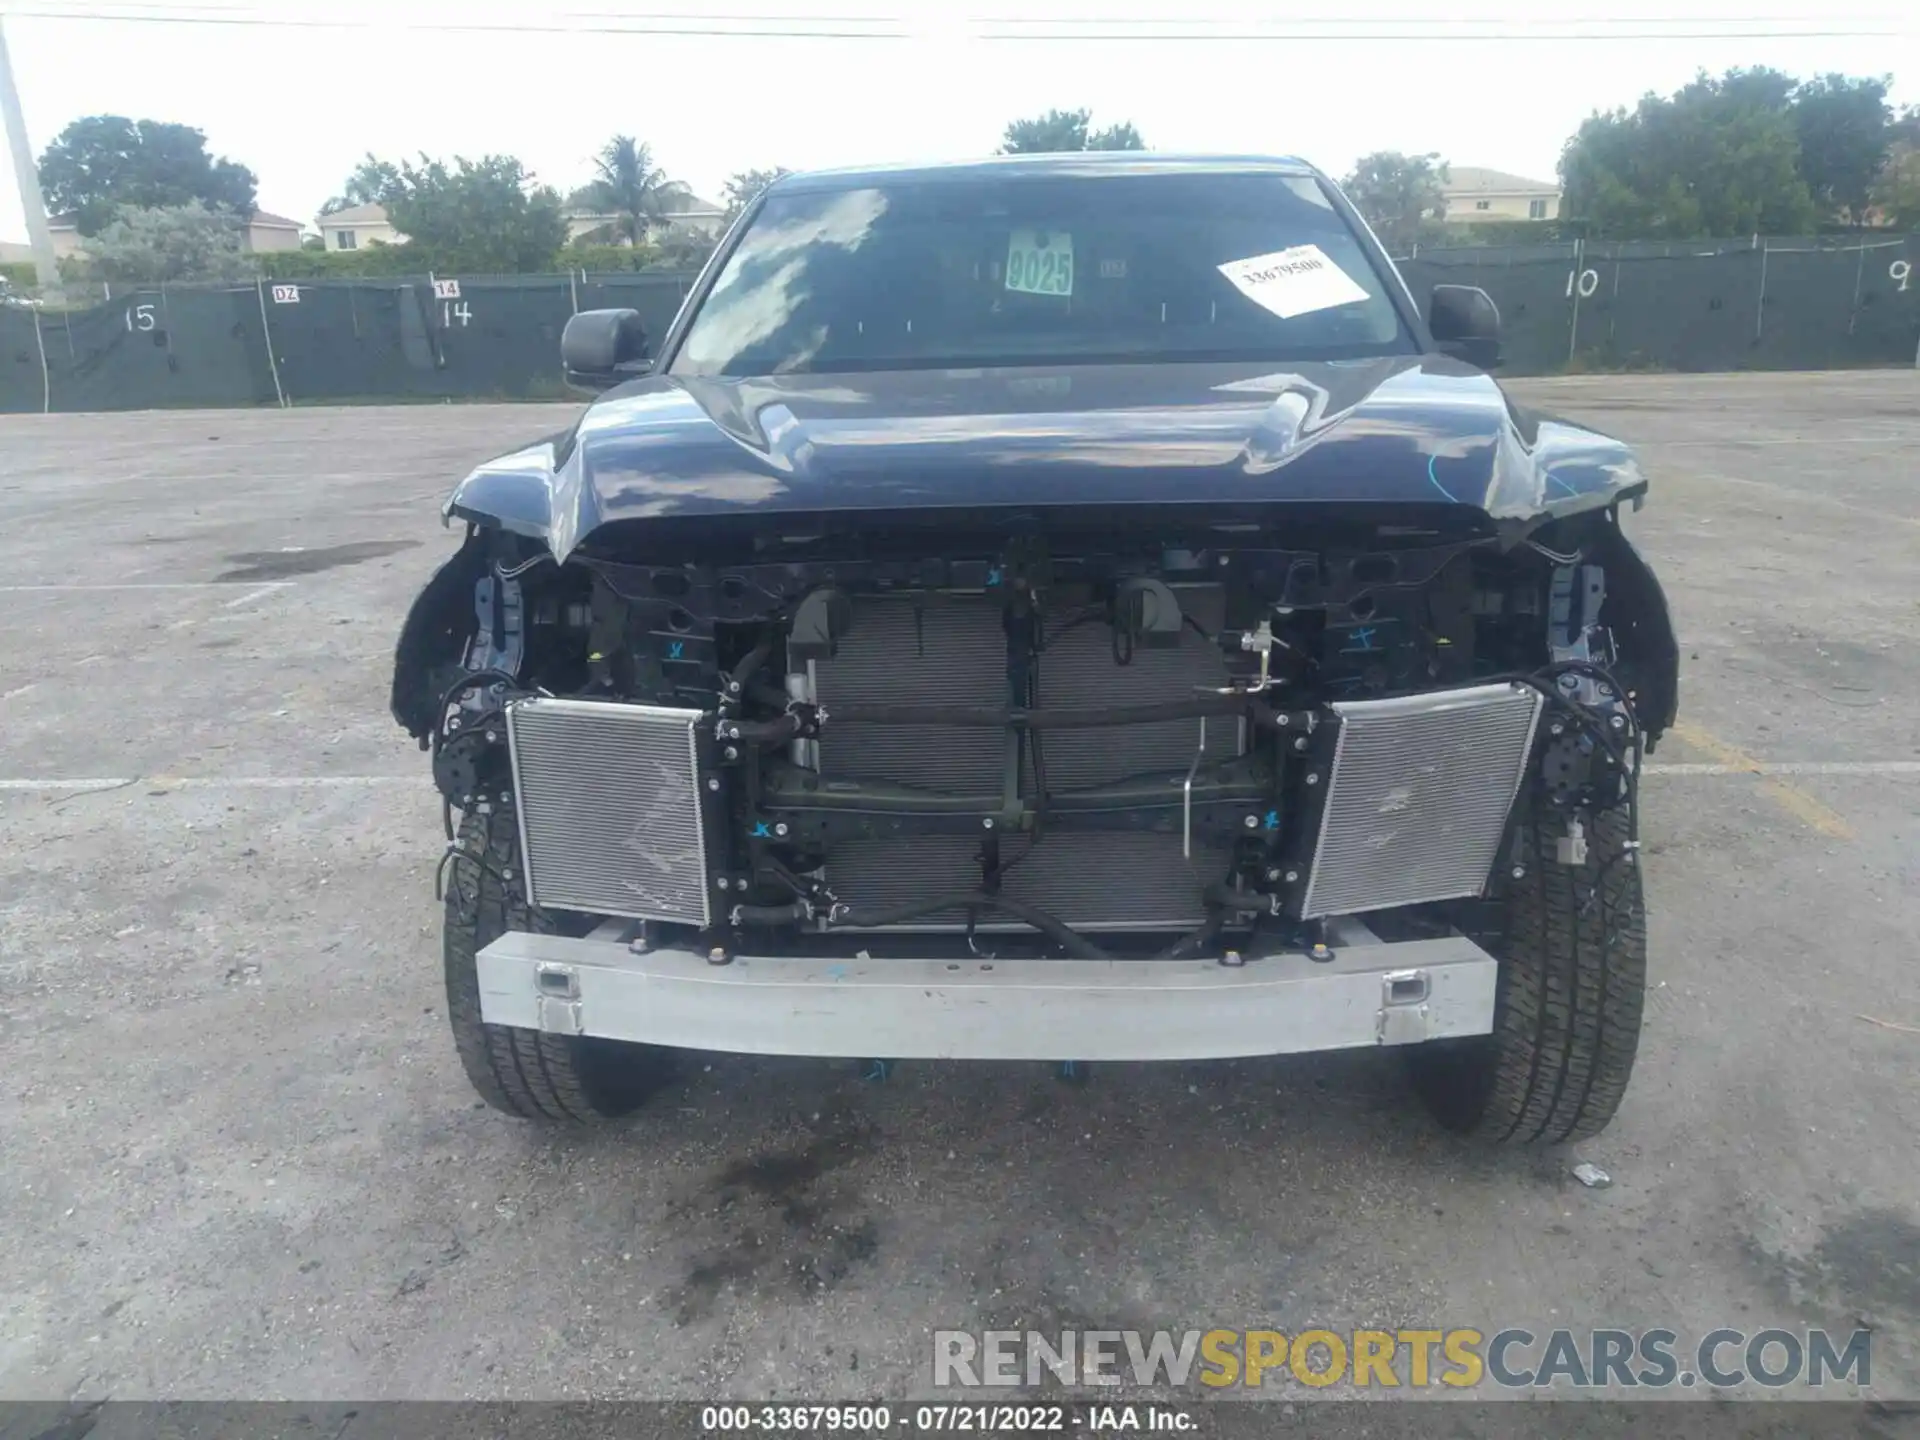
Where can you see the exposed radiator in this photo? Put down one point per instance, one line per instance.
(1418, 795)
(1093, 881)
(610, 808)
(900, 653)
(955, 652)
(1077, 668)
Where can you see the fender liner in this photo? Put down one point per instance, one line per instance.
(431, 652)
(1636, 612)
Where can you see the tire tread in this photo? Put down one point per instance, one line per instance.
(526, 1073)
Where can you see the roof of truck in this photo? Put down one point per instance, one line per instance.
(1072, 162)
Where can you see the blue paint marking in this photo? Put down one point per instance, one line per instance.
(1556, 480)
(761, 829)
(993, 576)
(1362, 641)
(676, 649)
(836, 972)
(1436, 479)
(1272, 821)
(877, 1071)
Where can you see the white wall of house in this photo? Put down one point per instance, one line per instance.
(706, 220)
(264, 236)
(1477, 195)
(1513, 205)
(264, 232)
(357, 227)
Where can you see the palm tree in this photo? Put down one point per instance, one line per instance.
(630, 186)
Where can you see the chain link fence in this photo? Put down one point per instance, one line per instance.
(1762, 303)
(313, 341)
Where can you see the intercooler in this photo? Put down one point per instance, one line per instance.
(609, 799)
(1417, 797)
(901, 652)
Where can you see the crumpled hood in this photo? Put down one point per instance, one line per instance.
(1404, 430)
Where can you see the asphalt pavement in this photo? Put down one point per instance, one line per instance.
(238, 1158)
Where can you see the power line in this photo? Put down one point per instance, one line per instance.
(240, 12)
(1295, 30)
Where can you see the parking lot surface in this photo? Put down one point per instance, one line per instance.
(238, 1157)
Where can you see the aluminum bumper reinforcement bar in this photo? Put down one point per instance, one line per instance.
(1370, 993)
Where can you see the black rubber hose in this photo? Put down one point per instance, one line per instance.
(749, 664)
(1059, 718)
(1226, 897)
(770, 696)
(1195, 941)
(776, 731)
(789, 914)
(1049, 925)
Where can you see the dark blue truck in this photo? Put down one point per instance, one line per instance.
(1067, 608)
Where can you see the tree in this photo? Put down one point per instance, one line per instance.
(1844, 127)
(1896, 191)
(1066, 130)
(1718, 157)
(744, 187)
(485, 216)
(174, 242)
(373, 182)
(105, 162)
(630, 186)
(1401, 196)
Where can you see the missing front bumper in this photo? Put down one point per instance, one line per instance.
(1371, 993)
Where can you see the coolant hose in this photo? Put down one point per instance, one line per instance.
(1227, 897)
(789, 914)
(749, 665)
(1054, 718)
(769, 733)
(1049, 925)
(1195, 941)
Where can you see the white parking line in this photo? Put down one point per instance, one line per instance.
(252, 595)
(219, 782)
(1747, 438)
(1794, 767)
(347, 782)
(141, 585)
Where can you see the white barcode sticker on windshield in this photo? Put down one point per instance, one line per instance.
(1040, 262)
(1293, 282)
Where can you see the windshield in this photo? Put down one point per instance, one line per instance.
(1030, 270)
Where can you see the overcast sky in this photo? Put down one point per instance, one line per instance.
(299, 103)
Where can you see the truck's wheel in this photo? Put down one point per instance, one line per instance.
(527, 1073)
(1573, 976)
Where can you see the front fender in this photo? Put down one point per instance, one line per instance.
(514, 492)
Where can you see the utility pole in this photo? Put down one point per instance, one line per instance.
(31, 201)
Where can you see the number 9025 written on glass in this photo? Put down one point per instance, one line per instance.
(1040, 262)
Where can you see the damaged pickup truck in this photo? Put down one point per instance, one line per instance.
(1057, 608)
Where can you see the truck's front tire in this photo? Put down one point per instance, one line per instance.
(527, 1073)
(1573, 978)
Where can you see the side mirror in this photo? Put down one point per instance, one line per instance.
(600, 348)
(1465, 324)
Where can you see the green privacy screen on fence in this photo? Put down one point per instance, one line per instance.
(313, 342)
(1693, 305)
